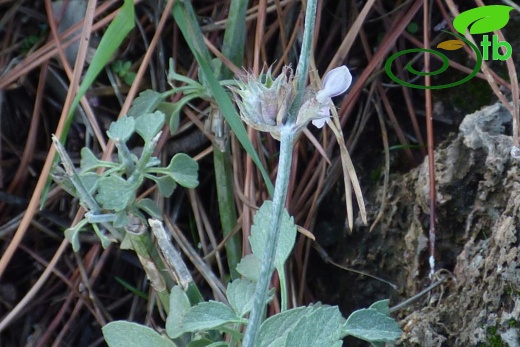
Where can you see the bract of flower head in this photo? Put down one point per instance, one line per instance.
(263, 101)
(317, 108)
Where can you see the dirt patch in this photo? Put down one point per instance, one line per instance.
(478, 203)
(478, 208)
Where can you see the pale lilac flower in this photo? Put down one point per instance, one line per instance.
(336, 82)
(316, 106)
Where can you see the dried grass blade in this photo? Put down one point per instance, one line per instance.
(349, 177)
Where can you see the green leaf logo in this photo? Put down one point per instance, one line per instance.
(482, 19)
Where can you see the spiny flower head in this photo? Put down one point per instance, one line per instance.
(263, 101)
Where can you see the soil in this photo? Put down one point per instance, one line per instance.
(477, 247)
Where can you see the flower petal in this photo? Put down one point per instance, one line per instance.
(320, 122)
(336, 82)
(324, 111)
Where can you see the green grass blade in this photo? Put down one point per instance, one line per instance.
(182, 11)
(131, 288)
(184, 15)
(233, 49)
(116, 32)
(226, 206)
(234, 37)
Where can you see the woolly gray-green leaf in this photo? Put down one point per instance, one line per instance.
(121, 129)
(320, 328)
(183, 170)
(171, 111)
(316, 325)
(149, 206)
(166, 185)
(200, 343)
(88, 159)
(260, 231)
(250, 267)
(179, 306)
(114, 193)
(121, 220)
(371, 325)
(241, 295)
(208, 315)
(72, 234)
(90, 181)
(382, 306)
(148, 125)
(146, 102)
(129, 334)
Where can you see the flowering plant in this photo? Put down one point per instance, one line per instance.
(264, 102)
(282, 106)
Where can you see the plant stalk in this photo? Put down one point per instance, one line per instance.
(288, 135)
(279, 198)
(302, 70)
(149, 257)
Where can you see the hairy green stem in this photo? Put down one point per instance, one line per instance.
(302, 70)
(279, 198)
(282, 182)
(284, 294)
